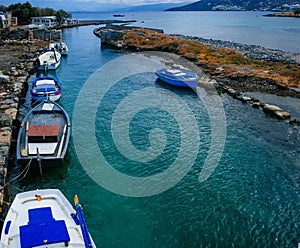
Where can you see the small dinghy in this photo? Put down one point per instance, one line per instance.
(61, 47)
(45, 88)
(48, 60)
(44, 218)
(178, 77)
(44, 135)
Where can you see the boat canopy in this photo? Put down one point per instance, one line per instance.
(43, 229)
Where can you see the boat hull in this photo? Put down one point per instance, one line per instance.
(45, 67)
(42, 218)
(171, 79)
(42, 98)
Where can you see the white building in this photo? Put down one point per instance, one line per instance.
(44, 21)
(4, 23)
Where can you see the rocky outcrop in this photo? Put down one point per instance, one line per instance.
(275, 111)
(251, 51)
(14, 34)
(269, 109)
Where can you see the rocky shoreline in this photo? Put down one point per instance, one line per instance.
(252, 51)
(17, 58)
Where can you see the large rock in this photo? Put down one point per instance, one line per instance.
(275, 111)
(5, 120)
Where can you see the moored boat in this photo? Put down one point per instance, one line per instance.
(44, 218)
(178, 77)
(44, 135)
(48, 60)
(61, 47)
(45, 88)
(118, 15)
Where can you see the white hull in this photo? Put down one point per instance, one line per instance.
(28, 224)
(52, 98)
(48, 61)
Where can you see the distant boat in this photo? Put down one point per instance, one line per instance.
(178, 77)
(60, 47)
(44, 218)
(118, 15)
(46, 88)
(48, 60)
(44, 135)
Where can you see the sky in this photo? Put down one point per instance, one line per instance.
(89, 5)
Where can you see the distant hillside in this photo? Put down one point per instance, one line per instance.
(203, 5)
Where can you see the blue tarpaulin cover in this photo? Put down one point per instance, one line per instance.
(43, 229)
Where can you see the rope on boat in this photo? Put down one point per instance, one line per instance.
(24, 171)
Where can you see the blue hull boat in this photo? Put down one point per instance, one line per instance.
(178, 77)
(46, 88)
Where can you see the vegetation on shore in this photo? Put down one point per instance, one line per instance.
(24, 11)
(223, 61)
(295, 13)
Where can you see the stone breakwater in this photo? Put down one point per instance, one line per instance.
(251, 51)
(11, 87)
(16, 65)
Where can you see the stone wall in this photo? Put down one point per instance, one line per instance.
(47, 34)
(11, 85)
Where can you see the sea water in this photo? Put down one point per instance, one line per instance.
(251, 198)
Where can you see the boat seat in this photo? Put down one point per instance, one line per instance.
(43, 229)
(37, 215)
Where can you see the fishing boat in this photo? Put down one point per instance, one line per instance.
(61, 47)
(178, 77)
(48, 60)
(44, 136)
(118, 15)
(45, 218)
(44, 88)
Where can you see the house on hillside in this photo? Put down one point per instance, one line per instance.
(44, 21)
(3, 21)
(7, 20)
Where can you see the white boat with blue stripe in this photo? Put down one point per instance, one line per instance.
(178, 77)
(46, 88)
(44, 218)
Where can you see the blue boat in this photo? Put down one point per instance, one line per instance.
(178, 77)
(45, 218)
(46, 88)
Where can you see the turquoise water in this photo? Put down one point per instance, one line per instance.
(250, 200)
(244, 27)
